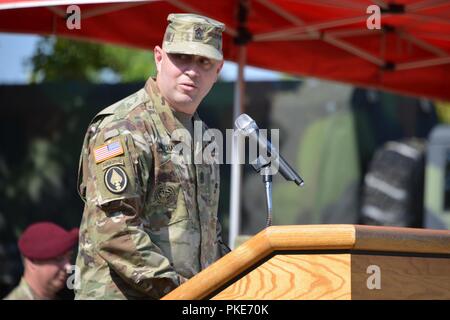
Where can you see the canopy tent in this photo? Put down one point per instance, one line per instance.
(326, 39)
(321, 38)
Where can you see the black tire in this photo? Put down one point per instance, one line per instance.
(393, 187)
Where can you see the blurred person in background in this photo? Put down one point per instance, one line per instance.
(46, 250)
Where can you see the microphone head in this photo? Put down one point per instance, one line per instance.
(245, 124)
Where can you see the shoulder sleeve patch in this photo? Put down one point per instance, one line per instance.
(115, 172)
(111, 134)
(107, 151)
(115, 179)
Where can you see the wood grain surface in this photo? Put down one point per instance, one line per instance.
(396, 239)
(406, 278)
(294, 277)
(310, 237)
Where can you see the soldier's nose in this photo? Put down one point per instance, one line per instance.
(191, 70)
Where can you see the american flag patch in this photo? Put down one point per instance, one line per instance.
(108, 151)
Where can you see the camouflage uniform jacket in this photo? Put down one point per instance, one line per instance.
(148, 219)
(22, 292)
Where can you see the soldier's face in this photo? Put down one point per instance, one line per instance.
(184, 80)
(52, 273)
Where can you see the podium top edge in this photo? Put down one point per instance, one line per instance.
(357, 237)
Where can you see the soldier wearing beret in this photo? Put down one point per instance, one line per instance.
(150, 218)
(46, 250)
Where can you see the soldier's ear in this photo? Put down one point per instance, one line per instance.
(28, 264)
(158, 55)
(219, 68)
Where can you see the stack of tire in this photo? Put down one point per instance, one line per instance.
(393, 186)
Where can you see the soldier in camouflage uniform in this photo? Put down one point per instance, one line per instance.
(46, 250)
(150, 218)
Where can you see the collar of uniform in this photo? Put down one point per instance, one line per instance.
(27, 290)
(164, 110)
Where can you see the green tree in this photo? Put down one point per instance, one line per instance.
(61, 59)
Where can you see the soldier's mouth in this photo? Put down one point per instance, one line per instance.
(187, 86)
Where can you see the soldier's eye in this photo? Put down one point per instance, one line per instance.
(181, 57)
(205, 63)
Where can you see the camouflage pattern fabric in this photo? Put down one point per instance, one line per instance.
(149, 221)
(22, 292)
(194, 34)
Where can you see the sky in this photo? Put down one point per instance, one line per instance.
(16, 48)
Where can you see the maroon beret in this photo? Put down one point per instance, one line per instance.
(46, 240)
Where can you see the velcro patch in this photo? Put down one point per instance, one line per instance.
(108, 151)
(166, 195)
(113, 162)
(116, 179)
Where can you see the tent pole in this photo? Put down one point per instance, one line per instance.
(236, 168)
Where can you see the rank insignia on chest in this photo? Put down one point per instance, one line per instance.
(116, 179)
(108, 151)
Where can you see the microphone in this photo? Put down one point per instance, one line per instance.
(247, 126)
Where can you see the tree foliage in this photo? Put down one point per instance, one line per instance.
(61, 59)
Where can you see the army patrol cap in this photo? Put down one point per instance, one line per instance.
(194, 34)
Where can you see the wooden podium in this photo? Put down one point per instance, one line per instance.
(329, 262)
